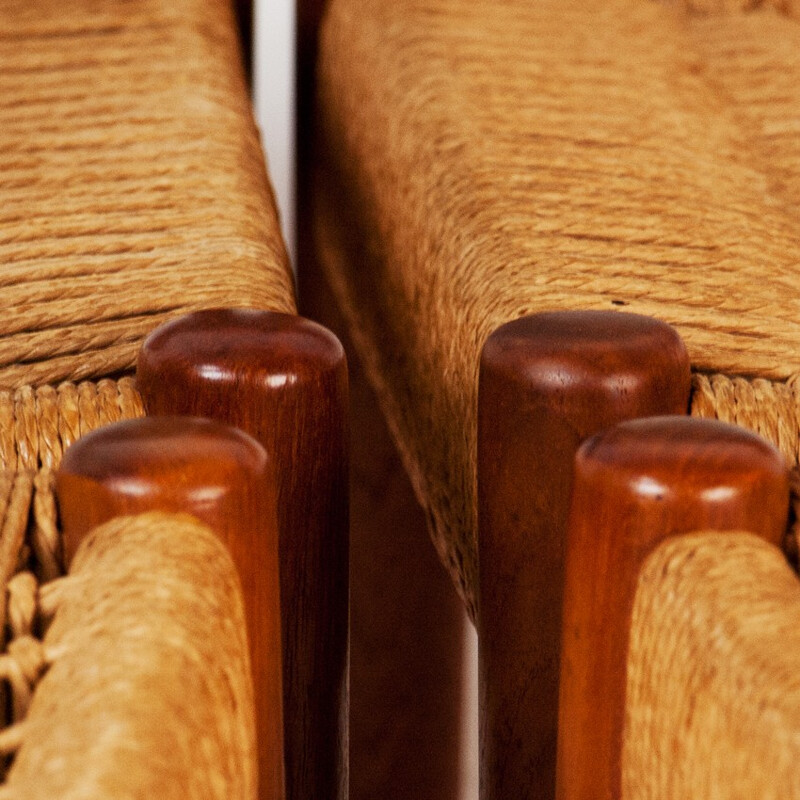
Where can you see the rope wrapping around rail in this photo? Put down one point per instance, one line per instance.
(38, 424)
(711, 688)
(36, 427)
(152, 607)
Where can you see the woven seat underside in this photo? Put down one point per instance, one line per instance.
(480, 162)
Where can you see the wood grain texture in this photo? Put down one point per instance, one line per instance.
(224, 478)
(282, 379)
(133, 186)
(547, 382)
(480, 162)
(635, 485)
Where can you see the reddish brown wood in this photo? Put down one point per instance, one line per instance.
(282, 379)
(546, 383)
(220, 475)
(407, 630)
(405, 677)
(636, 484)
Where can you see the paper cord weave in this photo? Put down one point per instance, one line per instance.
(479, 162)
(132, 183)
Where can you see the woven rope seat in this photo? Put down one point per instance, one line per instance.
(132, 190)
(132, 185)
(480, 162)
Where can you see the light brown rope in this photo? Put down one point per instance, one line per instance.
(769, 409)
(46, 421)
(37, 427)
(713, 682)
(38, 424)
(132, 185)
(132, 189)
(482, 161)
(146, 689)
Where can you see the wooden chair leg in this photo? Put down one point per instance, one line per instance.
(224, 478)
(407, 630)
(406, 621)
(282, 379)
(547, 382)
(635, 485)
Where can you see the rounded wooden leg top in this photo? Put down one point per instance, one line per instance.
(223, 477)
(546, 383)
(238, 365)
(283, 379)
(636, 484)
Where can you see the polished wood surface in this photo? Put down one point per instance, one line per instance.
(635, 485)
(407, 639)
(223, 477)
(283, 379)
(407, 625)
(547, 382)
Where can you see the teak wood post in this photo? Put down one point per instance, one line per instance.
(283, 379)
(547, 382)
(223, 477)
(636, 484)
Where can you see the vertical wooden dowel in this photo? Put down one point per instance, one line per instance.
(547, 382)
(405, 678)
(223, 477)
(636, 484)
(283, 379)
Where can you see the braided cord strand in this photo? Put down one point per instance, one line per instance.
(37, 425)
